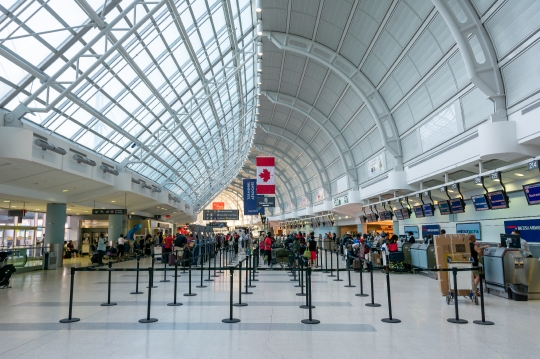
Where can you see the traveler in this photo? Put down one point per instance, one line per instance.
(410, 238)
(443, 231)
(312, 245)
(268, 247)
(392, 244)
(168, 243)
(148, 245)
(180, 240)
(121, 246)
(477, 254)
(101, 248)
(71, 248)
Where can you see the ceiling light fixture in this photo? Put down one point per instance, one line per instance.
(258, 5)
(113, 201)
(259, 48)
(259, 28)
(519, 174)
(65, 190)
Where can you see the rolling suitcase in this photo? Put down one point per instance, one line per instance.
(172, 259)
(356, 264)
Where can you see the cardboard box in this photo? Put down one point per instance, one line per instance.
(453, 248)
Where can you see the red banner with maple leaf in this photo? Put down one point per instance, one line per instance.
(265, 175)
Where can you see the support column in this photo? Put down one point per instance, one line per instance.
(115, 227)
(55, 226)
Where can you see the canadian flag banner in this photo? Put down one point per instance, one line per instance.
(265, 175)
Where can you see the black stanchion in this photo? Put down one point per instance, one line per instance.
(301, 276)
(456, 320)
(164, 280)
(153, 262)
(220, 261)
(231, 319)
(109, 304)
(176, 260)
(294, 269)
(307, 305)
(337, 264)
(214, 275)
(483, 321)
(372, 304)
(150, 286)
(202, 275)
(361, 294)
(389, 319)
(70, 319)
(137, 280)
(331, 265)
(189, 294)
(240, 304)
(349, 275)
(174, 303)
(250, 270)
(209, 262)
(325, 261)
(308, 284)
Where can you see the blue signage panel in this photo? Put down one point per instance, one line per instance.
(433, 229)
(250, 198)
(469, 228)
(528, 228)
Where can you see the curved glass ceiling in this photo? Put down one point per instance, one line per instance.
(167, 88)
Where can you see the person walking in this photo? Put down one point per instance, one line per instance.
(101, 248)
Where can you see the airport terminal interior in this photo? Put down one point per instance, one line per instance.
(269, 178)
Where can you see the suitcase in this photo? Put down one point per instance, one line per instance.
(172, 259)
(356, 264)
(95, 258)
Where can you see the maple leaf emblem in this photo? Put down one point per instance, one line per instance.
(265, 175)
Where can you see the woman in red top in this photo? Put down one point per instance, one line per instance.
(169, 243)
(268, 247)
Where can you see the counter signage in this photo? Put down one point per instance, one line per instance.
(433, 229)
(418, 211)
(413, 229)
(469, 228)
(529, 229)
(109, 211)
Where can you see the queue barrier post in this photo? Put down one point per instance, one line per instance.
(240, 304)
(325, 261)
(109, 304)
(337, 261)
(202, 272)
(176, 260)
(456, 320)
(349, 275)
(174, 303)
(70, 318)
(150, 286)
(307, 305)
(220, 261)
(389, 319)
(153, 263)
(483, 321)
(310, 307)
(372, 304)
(214, 275)
(331, 265)
(361, 294)
(137, 280)
(189, 294)
(166, 256)
(231, 319)
(250, 272)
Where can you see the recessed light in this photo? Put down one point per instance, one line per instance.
(14, 206)
(65, 190)
(497, 180)
(519, 174)
(113, 201)
(7, 201)
(69, 209)
(450, 191)
(77, 213)
(85, 211)
(478, 184)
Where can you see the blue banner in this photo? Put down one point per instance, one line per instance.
(433, 229)
(250, 198)
(529, 229)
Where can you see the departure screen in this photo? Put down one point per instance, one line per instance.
(497, 200)
(480, 203)
(532, 193)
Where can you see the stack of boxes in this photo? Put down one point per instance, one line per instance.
(451, 248)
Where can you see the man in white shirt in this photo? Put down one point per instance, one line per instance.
(121, 246)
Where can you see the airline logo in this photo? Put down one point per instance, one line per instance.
(265, 175)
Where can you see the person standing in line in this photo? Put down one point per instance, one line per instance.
(312, 245)
(268, 247)
(121, 246)
(410, 238)
(477, 254)
(101, 248)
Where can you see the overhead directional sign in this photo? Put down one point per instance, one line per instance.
(264, 201)
(216, 224)
(221, 215)
(109, 211)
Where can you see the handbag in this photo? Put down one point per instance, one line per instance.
(307, 253)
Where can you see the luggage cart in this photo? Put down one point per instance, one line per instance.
(465, 282)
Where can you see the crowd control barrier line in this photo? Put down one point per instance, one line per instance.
(310, 320)
(349, 276)
(137, 280)
(231, 319)
(389, 319)
(175, 303)
(148, 319)
(240, 304)
(337, 261)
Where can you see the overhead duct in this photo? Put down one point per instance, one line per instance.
(49, 146)
(85, 160)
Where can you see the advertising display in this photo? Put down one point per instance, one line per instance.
(469, 228)
(457, 206)
(432, 229)
(480, 203)
(497, 200)
(532, 193)
(413, 229)
(529, 228)
(250, 198)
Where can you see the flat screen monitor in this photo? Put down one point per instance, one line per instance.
(457, 205)
(480, 203)
(362, 219)
(532, 193)
(374, 217)
(444, 207)
(406, 213)
(418, 211)
(428, 209)
(469, 228)
(497, 200)
(510, 240)
(398, 214)
(388, 215)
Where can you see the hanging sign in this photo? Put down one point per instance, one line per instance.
(265, 175)
(218, 205)
(250, 198)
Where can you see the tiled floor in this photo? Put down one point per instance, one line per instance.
(270, 325)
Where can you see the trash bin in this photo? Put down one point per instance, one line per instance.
(519, 292)
(49, 260)
(45, 260)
